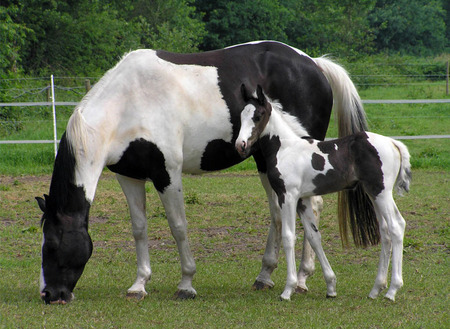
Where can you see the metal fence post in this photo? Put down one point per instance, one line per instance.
(55, 135)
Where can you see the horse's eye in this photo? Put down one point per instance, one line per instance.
(257, 119)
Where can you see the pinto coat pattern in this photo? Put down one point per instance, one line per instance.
(157, 114)
(300, 167)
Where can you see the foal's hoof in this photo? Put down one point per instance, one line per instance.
(184, 294)
(301, 290)
(258, 285)
(138, 295)
(331, 296)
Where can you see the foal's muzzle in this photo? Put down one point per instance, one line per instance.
(243, 148)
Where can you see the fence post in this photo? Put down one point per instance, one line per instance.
(87, 85)
(55, 135)
(446, 79)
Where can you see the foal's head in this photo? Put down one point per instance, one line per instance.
(254, 118)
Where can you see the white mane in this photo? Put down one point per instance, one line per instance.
(292, 122)
(77, 128)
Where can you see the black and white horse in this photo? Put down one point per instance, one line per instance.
(157, 114)
(299, 167)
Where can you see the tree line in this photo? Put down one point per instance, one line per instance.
(87, 37)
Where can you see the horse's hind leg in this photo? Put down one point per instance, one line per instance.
(385, 255)
(396, 225)
(134, 191)
(270, 257)
(392, 226)
(307, 264)
(172, 199)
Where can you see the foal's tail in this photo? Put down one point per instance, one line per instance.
(404, 176)
(355, 210)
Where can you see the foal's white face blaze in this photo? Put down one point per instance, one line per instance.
(247, 134)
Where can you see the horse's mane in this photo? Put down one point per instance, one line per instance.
(77, 128)
(291, 121)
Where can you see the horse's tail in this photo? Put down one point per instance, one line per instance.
(348, 107)
(355, 209)
(404, 176)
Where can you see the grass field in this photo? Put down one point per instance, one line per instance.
(228, 223)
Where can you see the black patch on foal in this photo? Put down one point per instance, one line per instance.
(318, 162)
(143, 160)
(270, 147)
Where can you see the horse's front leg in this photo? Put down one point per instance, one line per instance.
(270, 257)
(307, 215)
(307, 264)
(172, 199)
(288, 237)
(134, 191)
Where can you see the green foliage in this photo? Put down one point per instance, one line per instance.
(87, 37)
(414, 27)
(13, 37)
(239, 21)
(171, 25)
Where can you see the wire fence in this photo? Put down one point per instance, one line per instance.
(40, 94)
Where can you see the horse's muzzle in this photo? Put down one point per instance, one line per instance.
(62, 297)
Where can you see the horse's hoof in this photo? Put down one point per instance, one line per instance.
(331, 296)
(184, 294)
(258, 285)
(301, 290)
(137, 295)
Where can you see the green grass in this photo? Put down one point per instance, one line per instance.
(228, 223)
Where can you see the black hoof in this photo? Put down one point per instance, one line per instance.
(184, 294)
(300, 290)
(258, 285)
(139, 295)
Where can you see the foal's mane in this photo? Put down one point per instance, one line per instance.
(291, 121)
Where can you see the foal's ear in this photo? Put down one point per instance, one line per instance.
(260, 94)
(245, 94)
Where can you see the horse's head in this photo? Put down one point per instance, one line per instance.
(66, 249)
(254, 118)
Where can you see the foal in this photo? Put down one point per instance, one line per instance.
(299, 167)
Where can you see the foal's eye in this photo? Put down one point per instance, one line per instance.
(257, 119)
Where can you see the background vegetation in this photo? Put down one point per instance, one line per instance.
(86, 37)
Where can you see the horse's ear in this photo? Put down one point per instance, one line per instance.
(260, 94)
(244, 93)
(41, 203)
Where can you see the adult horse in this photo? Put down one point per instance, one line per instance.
(157, 114)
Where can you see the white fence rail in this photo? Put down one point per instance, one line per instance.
(54, 104)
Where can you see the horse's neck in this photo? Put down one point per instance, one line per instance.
(280, 126)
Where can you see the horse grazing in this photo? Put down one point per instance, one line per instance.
(157, 114)
(299, 167)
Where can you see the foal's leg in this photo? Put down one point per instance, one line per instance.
(172, 199)
(306, 213)
(307, 264)
(288, 237)
(396, 225)
(135, 193)
(270, 258)
(385, 255)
